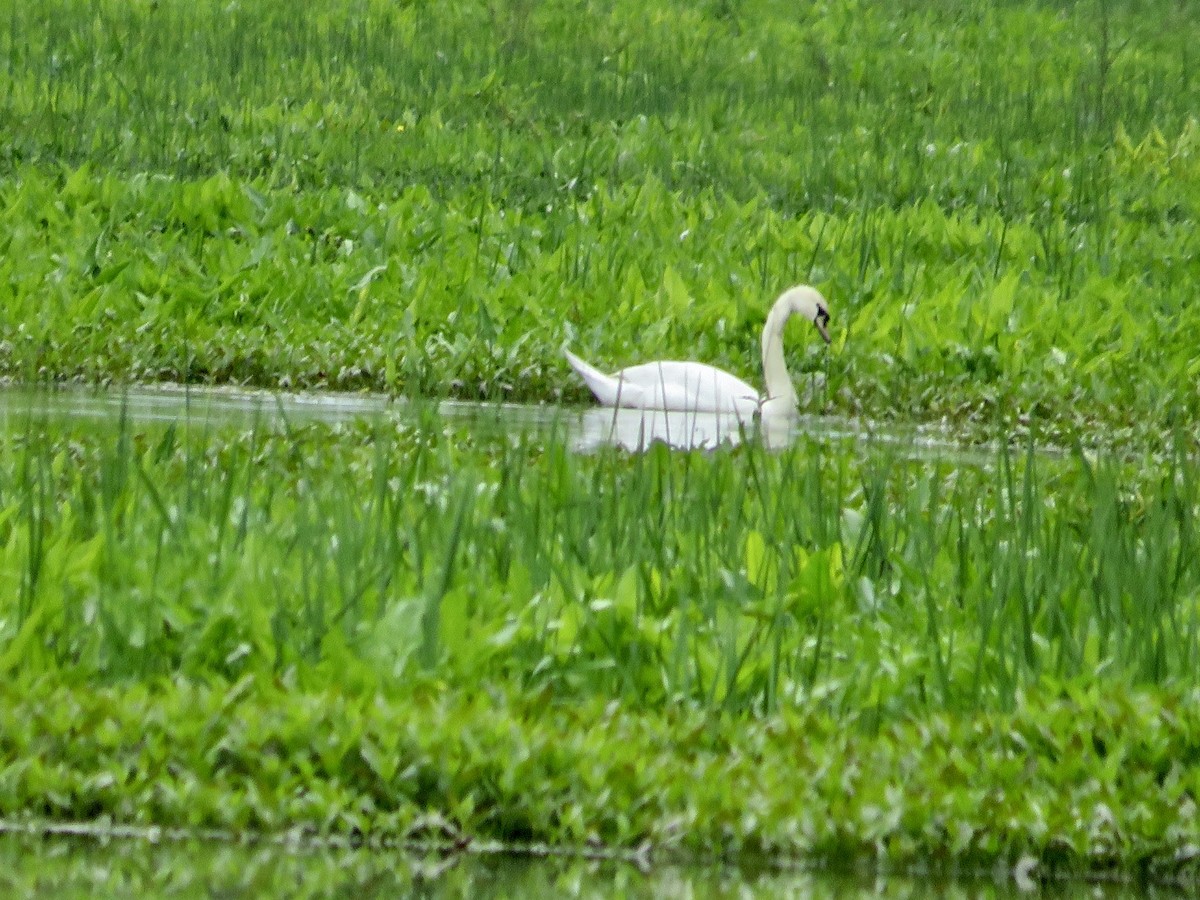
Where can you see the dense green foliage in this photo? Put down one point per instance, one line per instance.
(842, 650)
(870, 585)
(1078, 779)
(819, 650)
(999, 199)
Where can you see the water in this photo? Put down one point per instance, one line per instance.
(584, 429)
(62, 866)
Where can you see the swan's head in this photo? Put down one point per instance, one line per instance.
(806, 301)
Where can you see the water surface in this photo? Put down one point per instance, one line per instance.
(64, 866)
(585, 429)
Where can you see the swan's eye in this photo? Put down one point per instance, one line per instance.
(822, 315)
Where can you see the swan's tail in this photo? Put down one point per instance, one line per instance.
(605, 387)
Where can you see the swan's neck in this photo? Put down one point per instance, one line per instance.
(780, 393)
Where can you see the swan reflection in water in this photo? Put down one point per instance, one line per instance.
(637, 430)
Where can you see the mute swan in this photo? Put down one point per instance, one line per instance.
(697, 387)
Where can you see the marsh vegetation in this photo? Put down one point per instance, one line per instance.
(402, 628)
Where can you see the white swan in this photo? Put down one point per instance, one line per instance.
(697, 387)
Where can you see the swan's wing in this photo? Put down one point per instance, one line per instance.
(685, 386)
(669, 385)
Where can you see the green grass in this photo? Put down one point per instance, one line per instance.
(1000, 202)
(556, 633)
(838, 651)
(872, 586)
